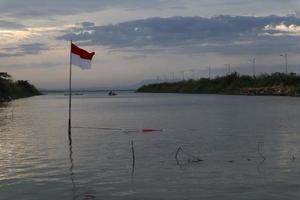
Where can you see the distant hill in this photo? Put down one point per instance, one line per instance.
(264, 84)
(10, 89)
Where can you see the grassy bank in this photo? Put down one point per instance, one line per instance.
(264, 84)
(10, 89)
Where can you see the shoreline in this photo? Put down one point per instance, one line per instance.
(277, 84)
(241, 94)
(9, 99)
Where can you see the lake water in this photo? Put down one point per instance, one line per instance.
(231, 134)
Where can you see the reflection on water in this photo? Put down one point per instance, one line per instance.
(259, 165)
(15, 145)
(71, 170)
(87, 194)
(232, 147)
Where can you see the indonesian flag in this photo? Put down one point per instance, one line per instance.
(81, 57)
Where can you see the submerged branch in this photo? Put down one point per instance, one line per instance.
(259, 152)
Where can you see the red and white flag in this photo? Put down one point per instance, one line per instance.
(81, 57)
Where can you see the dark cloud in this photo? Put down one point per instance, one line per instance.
(23, 49)
(10, 25)
(87, 24)
(11, 54)
(33, 48)
(39, 8)
(135, 57)
(224, 34)
(33, 8)
(31, 65)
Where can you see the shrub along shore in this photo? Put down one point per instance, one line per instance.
(278, 84)
(10, 89)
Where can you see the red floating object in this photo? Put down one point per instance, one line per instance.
(148, 130)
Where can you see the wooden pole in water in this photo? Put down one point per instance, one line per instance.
(133, 158)
(70, 97)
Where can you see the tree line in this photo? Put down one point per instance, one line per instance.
(10, 89)
(264, 84)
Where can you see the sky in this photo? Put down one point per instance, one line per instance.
(137, 40)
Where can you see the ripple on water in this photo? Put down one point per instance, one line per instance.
(36, 161)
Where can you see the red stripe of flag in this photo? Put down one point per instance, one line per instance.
(81, 52)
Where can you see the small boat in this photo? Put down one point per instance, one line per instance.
(112, 93)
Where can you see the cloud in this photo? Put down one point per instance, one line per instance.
(87, 24)
(33, 48)
(283, 29)
(14, 33)
(8, 25)
(33, 8)
(223, 34)
(134, 57)
(32, 65)
(45, 9)
(23, 49)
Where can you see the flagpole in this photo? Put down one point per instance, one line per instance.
(70, 96)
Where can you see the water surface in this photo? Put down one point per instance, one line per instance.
(36, 161)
